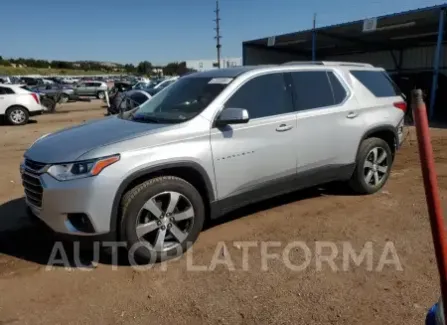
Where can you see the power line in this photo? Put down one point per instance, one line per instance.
(218, 36)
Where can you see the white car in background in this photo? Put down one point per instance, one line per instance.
(47, 81)
(69, 80)
(166, 82)
(18, 104)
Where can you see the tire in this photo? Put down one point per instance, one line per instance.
(178, 234)
(372, 168)
(49, 103)
(17, 115)
(64, 98)
(100, 95)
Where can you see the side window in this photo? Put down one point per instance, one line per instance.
(337, 88)
(312, 89)
(138, 98)
(6, 91)
(263, 96)
(377, 82)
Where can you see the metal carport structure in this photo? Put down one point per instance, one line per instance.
(402, 42)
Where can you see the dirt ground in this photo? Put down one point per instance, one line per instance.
(276, 294)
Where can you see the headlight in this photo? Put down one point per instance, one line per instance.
(81, 169)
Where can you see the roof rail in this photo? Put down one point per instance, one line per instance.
(330, 63)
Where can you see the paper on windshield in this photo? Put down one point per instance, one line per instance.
(222, 81)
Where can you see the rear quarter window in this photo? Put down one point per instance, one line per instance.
(377, 82)
(6, 91)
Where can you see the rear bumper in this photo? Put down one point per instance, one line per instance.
(38, 112)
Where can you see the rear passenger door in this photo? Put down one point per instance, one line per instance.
(81, 89)
(91, 88)
(329, 125)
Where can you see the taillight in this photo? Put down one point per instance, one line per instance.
(401, 105)
(36, 97)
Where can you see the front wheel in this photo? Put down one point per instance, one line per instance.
(161, 218)
(17, 115)
(373, 166)
(64, 98)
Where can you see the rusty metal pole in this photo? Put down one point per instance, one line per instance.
(431, 188)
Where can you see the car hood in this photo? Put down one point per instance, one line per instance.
(69, 144)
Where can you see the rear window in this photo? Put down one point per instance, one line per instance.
(377, 82)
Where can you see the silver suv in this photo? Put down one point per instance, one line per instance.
(212, 142)
(91, 88)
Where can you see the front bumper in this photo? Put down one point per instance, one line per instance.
(63, 205)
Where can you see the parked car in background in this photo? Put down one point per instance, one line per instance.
(435, 315)
(128, 100)
(62, 92)
(31, 81)
(91, 88)
(153, 90)
(5, 80)
(18, 104)
(165, 83)
(47, 81)
(141, 85)
(69, 80)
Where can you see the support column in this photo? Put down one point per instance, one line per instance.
(436, 62)
(314, 39)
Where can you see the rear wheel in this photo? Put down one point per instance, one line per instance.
(49, 103)
(161, 218)
(373, 166)
(17, 115)
(100, 95)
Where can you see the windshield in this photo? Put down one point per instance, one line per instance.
(180, 101)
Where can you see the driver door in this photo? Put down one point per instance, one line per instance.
(256, 160)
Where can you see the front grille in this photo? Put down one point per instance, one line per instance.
(31, 182)
(33, 165)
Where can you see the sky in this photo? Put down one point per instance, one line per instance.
(162, 31)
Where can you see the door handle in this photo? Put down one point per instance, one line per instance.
(351, 115)
(284, 127)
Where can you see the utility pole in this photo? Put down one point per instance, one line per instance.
(217, 37)
(314, 38)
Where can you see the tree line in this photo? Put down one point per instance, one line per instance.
(142, 68)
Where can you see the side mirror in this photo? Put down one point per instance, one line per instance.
(232, 116)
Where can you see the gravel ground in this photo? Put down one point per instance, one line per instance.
(257, 293)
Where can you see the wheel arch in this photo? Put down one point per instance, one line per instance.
(16, 105)
(388, 133)
(192, 172)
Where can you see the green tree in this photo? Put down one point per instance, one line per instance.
(176, 68)
(130, 68)
(144, 67)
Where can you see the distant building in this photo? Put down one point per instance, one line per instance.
(204, 65)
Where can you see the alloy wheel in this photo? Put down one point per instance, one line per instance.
(165, 221)
(376, 166)
(17, 116)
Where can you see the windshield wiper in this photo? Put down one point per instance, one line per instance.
(145, 118)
